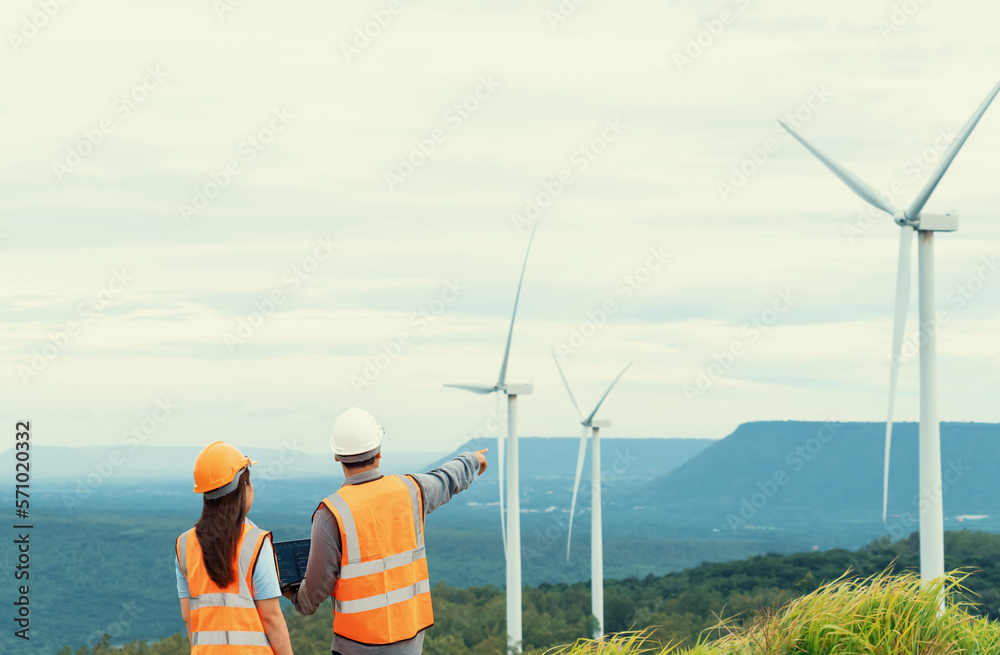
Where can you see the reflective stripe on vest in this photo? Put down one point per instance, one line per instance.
(221, 600)
(229, 638)
(223, 620)
(382, 594)
(384, 600)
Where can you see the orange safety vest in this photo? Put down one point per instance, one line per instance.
(224, 621)
(383, 592)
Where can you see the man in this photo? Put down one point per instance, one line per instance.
(367, 546)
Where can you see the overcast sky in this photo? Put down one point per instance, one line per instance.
(125, 267)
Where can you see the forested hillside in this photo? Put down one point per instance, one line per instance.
(123, 567)
(677, 607)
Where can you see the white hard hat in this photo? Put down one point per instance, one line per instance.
(357, 436)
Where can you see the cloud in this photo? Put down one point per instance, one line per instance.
(656, 186)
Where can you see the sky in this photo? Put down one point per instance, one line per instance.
(234, 220)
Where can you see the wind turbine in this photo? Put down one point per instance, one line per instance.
(512, 533)
(596, 535)
(910, 221)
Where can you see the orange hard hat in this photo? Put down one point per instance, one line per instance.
(217, 469)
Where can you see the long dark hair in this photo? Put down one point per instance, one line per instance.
(219, 529)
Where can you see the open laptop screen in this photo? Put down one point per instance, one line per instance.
(292, 557)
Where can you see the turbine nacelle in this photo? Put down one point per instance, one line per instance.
(937, 222)
(928, 222)
(602, 423)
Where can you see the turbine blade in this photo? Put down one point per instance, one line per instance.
(956, 145)
(517, 297)
(576, 485)
(856, 184)
(568, 390)
(474, 388)
(501, 441)
(591, 417)
(898, 328)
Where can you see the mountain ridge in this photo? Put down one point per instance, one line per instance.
(767, 469)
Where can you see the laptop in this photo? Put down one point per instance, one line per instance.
(292, 557)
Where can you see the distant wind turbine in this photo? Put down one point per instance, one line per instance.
(511, 534)
(910, 221)
(596, 534)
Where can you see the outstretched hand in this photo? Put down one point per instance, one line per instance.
(481, 454)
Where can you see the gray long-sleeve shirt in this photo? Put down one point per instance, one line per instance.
(436, 487)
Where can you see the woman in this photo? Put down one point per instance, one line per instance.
(227, 578)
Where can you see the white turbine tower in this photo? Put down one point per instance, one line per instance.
(512, 532)
(596, 535)
(910, 221)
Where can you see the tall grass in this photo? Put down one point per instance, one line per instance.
(881, 615)
(624, 643)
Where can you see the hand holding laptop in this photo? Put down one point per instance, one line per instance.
(292, 557)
